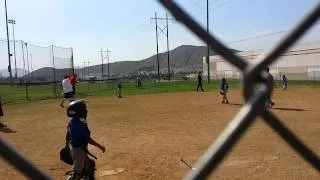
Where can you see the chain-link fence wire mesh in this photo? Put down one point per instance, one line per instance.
(255, 101)
(255, 98)
(34, 69)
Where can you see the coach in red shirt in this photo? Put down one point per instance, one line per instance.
(74, 81)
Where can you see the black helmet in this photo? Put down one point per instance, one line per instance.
(77, 109)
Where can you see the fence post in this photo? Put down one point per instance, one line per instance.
(25, 74)
(72, 62)
(54, 73)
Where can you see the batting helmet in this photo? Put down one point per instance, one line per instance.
(77, 109)
(65, 155)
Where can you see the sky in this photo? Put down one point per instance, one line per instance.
(125, 27)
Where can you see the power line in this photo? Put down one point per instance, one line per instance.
(257, 37)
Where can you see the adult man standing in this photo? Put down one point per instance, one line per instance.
(67, 90)
(200, 81)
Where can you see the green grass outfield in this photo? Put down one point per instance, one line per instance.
(17, 94)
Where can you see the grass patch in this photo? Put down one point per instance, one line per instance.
(17, 94)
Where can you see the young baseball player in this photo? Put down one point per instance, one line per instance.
(284, 82)
(77, 138)
(223, 90)
(67, 90)
(270, 82)
(119, 90)
(200, 81)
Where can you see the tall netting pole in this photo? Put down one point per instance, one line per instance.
(54, 73)
(72, 61)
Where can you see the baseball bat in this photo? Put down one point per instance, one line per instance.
(186, 163)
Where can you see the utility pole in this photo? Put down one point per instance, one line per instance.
(158, 63)
(30, 54)
(84, 69)
(208, 48)
(9, 54)
(168, 52)
(88, 68)
(101, 63)
(108, 63)
(102, 59)
(167, 35)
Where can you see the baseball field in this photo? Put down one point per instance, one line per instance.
(146, 135)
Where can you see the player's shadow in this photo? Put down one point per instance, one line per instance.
(288, 109)
(6, 129)
(235, 104)
(276, 108)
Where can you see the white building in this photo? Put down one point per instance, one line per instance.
(302, 62)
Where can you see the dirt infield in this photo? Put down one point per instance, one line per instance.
(146, 136)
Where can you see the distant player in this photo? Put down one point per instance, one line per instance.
(119, 90)
(74, 81)
(200, 81)
(77, 139)
(139, 81)
(284, 82)
(223, 90)
(1, 114)
(270, 83)
(67, 90)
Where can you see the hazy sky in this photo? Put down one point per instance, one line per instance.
(124, 26)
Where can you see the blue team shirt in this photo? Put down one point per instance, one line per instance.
(78, 133)
(224, 86)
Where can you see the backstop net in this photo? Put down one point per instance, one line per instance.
(34, 64)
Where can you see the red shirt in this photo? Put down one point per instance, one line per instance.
(73, 80)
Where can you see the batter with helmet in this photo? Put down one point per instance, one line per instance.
(77, 140)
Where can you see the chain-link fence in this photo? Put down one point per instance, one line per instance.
(34, 69)
(255, 98)
(255, 101)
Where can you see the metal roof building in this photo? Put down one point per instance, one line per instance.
(302, 62)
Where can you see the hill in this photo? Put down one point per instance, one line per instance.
(186, 58)
(5, 73)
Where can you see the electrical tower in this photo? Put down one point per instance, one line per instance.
(157, 36)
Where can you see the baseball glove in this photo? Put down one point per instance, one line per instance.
(65, 156)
